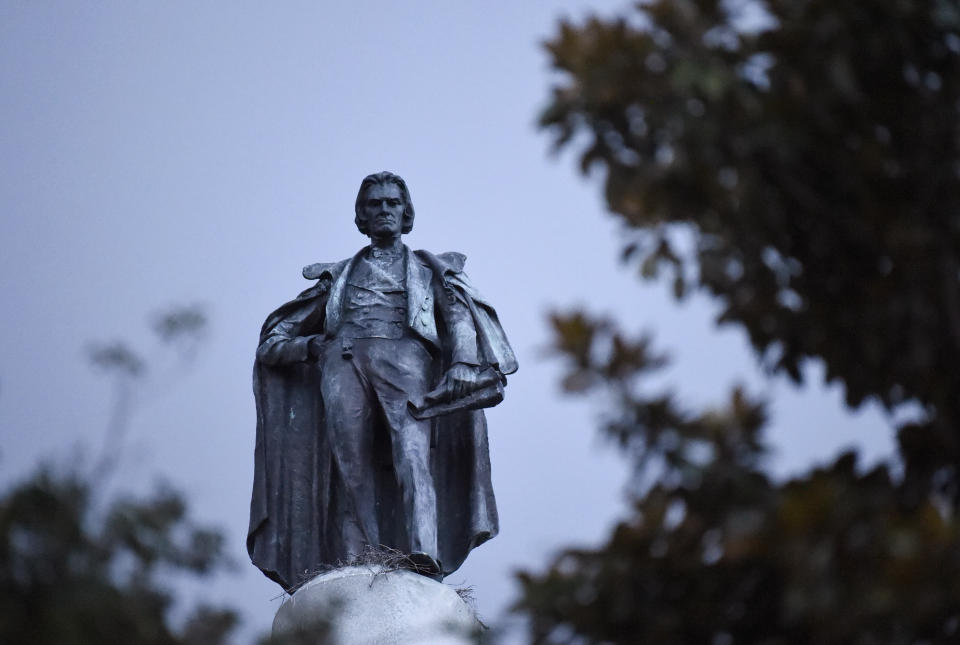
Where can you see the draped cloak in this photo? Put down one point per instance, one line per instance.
(299, 501)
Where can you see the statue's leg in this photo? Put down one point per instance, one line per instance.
(403, 370)
(350, 422)
(411, 458)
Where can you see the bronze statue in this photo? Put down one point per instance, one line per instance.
(369, 388)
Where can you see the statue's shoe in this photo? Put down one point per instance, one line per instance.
(425, 565)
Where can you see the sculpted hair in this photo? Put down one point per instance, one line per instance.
(384, 178)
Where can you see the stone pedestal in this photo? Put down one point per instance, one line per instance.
(368, 605)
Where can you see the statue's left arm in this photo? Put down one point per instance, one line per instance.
(467, 343)
(465, 360)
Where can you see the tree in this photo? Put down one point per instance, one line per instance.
(809, 151)
(78, 566)
(714, 551)
(68, 575)
(815, 163)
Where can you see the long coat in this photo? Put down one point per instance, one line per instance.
(298, 499)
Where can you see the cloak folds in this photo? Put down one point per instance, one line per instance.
(299, 502)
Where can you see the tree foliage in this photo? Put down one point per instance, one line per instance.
(715, 551)
(79, 565)
(798, 161)
(814, 154)
(72, 575)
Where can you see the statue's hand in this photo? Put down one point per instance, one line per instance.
(315, 346)
(461, 380)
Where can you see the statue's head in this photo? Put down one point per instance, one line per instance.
(386, 184)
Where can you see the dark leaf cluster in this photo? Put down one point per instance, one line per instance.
(798, 161)
(70, 574)
(813, 154)
(715, 551)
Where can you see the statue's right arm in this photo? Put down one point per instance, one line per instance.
(295, 337)
(286, 344)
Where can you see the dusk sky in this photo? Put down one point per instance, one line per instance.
(157, 154)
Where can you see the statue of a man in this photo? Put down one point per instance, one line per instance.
(369, 387)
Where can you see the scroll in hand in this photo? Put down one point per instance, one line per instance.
(460, 389)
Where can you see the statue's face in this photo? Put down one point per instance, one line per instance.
(383, 210)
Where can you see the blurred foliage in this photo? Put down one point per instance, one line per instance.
(715, 551)
(811, 151)
(117, 357)
(71, 575)
(76, 569)
(178, 329)
(179, 323)
(178, 333)
(799, 161)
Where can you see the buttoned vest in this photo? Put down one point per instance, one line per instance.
(375, 300)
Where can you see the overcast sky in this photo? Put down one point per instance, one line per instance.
(165, 153)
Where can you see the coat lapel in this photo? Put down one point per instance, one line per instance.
(420, 316)
(418, 288)
(335, 301)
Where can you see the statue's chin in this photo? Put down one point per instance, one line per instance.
(385, 233)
